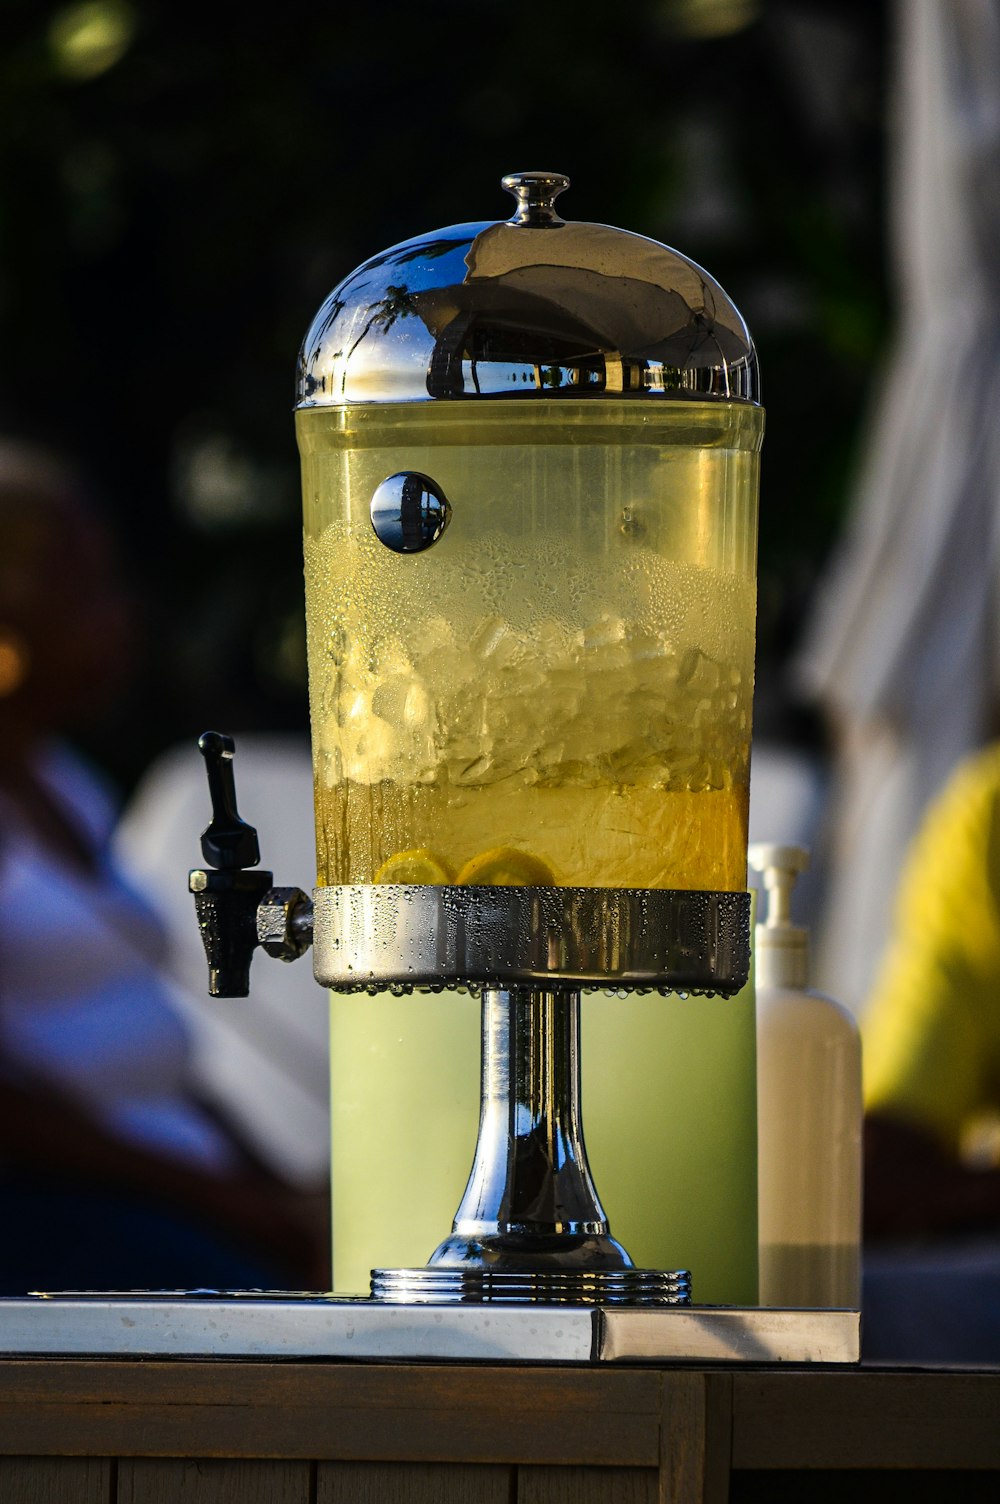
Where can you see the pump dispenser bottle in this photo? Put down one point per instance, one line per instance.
(808, 1112)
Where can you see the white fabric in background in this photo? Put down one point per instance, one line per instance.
(264, 1058)
(787, 798)
(904, 648)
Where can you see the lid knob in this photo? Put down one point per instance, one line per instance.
(536, 193)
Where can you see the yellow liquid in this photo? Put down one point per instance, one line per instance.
(568, 671)
(617, 836)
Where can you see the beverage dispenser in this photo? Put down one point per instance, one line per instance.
(530, 457)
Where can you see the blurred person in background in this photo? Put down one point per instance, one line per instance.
(902, 658)
(113, 1172)
(932, 1089)
(902, 653)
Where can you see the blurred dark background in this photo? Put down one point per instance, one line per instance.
(181, 186)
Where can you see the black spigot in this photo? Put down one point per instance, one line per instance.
(227, 898)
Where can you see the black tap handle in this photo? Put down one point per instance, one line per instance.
(226, 901)
(227, 842)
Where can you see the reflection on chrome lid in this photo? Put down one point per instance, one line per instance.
(527, 307)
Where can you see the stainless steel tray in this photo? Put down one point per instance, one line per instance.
(266, 1325)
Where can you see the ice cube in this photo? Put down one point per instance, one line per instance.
(607, 631)
(403, 702)
(699, 675)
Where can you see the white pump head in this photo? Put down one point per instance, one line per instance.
(782, 948)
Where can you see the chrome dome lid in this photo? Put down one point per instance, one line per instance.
(532, 306)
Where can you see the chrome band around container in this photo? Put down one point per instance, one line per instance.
(580, 1287)
(400, 936)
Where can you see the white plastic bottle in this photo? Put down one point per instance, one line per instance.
(808, 1112)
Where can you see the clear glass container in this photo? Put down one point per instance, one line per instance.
(559, 689)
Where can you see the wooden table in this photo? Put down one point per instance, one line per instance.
(76, 1431)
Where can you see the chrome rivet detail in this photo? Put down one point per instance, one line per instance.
(409, 512)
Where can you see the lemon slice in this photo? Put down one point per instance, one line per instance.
(421, 866)
(506, 867)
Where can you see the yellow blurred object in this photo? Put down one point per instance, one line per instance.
(88, 39)
(979, 1144)
(15, 661)
(506, 867)
(931, 1029)
(413, 867)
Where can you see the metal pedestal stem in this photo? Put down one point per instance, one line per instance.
(530, 1225)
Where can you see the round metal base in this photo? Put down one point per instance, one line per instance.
(579, 1287)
